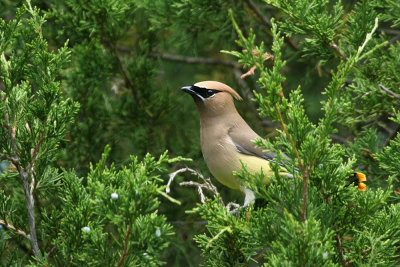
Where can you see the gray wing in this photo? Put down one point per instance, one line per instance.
(242, 141)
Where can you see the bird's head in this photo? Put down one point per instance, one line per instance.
(212, 98)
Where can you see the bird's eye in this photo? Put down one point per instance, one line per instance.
(210, 92)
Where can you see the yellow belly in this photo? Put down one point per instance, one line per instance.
(224, 161)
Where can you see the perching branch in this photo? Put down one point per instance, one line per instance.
(206, 185)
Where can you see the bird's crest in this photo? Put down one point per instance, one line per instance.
(219, 86)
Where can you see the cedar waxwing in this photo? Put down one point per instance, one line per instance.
(226, 138)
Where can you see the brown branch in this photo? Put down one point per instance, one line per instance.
(338, 51)
(258, 12)
(14, 229)
(249, 72)
(124, 72)
(126, 243)
(268, 23)
(195, 60)
(389, 91)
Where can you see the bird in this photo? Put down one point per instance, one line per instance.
(226, 138)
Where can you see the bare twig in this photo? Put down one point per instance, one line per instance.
(186, 169)
(207, 184)
(12, 133)
(195, 60)
(51, 251)
(266, 56)
(199, 189)
(389, 91)
(390, 31)
(14, 229)
(305, 194)
(29, 202)
(34, 153)
(249, 73)
(393, 32)
(392, 135)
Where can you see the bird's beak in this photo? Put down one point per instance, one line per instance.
(187, 89)
(190, 91)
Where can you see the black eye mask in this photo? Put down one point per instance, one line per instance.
(199, 93)
(204, 92)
